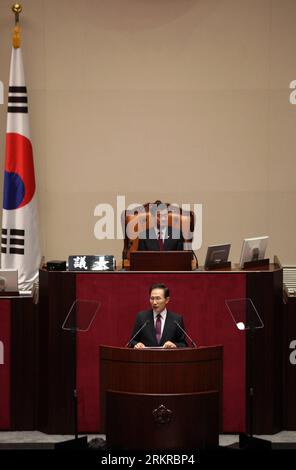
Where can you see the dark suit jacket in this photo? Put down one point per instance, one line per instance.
(148, 241)
(171, 332)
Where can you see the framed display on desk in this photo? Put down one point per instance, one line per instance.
(253, 252)
(217, 257)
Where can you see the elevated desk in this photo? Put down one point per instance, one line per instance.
(289, 362)
(200, 296)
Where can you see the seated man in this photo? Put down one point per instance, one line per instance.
(160, 236)
(158, 326)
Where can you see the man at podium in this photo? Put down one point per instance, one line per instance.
(160, 236)
(158, 327)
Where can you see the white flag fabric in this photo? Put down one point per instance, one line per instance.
(20, 240)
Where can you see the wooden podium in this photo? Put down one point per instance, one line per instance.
(161, 399)
(160, 260)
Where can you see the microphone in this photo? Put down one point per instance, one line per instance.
(195, 258)
(136, 334)
(187, 247)
(125, 253)
(186, 334)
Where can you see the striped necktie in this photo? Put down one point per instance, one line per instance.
(158, 328)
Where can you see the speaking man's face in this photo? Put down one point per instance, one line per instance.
(157, 300)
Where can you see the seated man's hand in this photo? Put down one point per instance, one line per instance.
(139, 346)
(169, 345)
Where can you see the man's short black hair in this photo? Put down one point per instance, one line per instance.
(165, 289)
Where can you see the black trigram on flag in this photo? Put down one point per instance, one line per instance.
(17, 99)
(13, 241)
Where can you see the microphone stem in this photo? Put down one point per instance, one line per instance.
(193, 343)
(136, 334)
(123, 257)
(195, 258)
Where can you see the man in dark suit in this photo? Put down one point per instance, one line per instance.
(160, 237)
(158, 326)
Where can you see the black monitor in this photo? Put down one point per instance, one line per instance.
(217, 255)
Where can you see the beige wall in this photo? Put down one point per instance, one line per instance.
(182, 100)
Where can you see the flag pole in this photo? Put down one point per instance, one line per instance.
(20, 249)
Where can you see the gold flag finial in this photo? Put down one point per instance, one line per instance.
(16, 38)
(17, 9)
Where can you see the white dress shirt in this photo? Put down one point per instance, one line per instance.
(162, 233)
